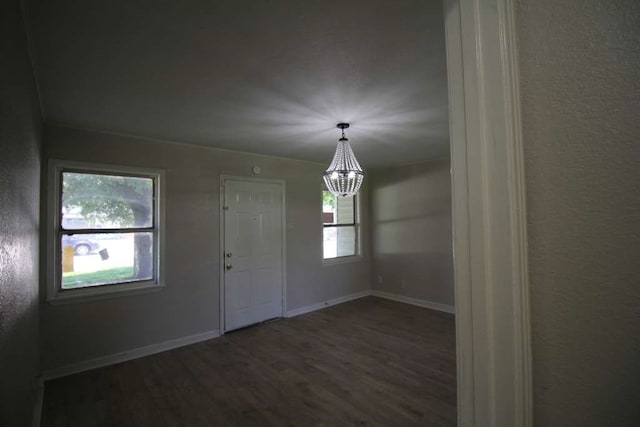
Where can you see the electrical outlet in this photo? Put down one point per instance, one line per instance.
(403, 284)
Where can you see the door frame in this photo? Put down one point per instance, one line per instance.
(283, 188)
(493, 336)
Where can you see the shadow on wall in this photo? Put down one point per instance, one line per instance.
(19, 285)
(19, 355)
(412, 233)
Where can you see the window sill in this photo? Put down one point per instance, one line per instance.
(94, 294)
(342, 260)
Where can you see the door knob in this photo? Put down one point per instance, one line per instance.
(228, 266)
(228, 254)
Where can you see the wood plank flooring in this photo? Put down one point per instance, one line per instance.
(368, 362)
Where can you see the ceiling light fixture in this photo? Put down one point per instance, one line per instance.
(344, 175)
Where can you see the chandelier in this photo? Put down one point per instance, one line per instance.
(344, 175)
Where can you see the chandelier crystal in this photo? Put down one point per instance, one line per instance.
(344, 175)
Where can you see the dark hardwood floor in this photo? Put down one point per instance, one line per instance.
(368, 362)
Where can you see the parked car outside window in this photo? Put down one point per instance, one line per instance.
(81, 244)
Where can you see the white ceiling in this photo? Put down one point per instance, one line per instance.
(262, 76)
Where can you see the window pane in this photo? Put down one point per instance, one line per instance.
(339, 241)
(346, 241)
(106, 201)
(330, 242)
(328, 207)
(345, 210)
(337, 210)
(102, 259)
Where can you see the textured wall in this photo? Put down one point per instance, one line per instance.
(19, 219)
(411, 231)
(580, 79)
(190, 302)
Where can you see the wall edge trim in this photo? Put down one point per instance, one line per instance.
(415, 301)
(38, 403)
(328, 303)
(127, 355)
(151, 349)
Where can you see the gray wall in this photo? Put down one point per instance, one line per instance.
(20, 127)
(580, 85)
(190, 302)
(411, 231)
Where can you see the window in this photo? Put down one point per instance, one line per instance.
(104, 230)
(340, 226)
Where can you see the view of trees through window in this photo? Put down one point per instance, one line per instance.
(106, 229)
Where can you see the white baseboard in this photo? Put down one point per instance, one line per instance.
(399, 298)
(36, 419)
(415, 301)
(135, 353)
(327, 303)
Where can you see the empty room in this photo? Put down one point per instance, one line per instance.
(319, 213)
(245, 213)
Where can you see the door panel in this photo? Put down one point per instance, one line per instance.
(253, 281)
(242, 229)
(264, 285)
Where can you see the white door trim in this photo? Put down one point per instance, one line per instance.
(489, 215)
(283, 188)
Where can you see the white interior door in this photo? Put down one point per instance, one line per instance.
(253, 279)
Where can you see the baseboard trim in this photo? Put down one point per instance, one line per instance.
(327, 303)
(36, 419)
(124, 356)
(136, 353)
(415, 301)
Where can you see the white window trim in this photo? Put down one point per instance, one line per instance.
(55, 295)
(346, 258)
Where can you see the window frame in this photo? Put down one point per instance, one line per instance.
(356, 226)
(54, 232)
